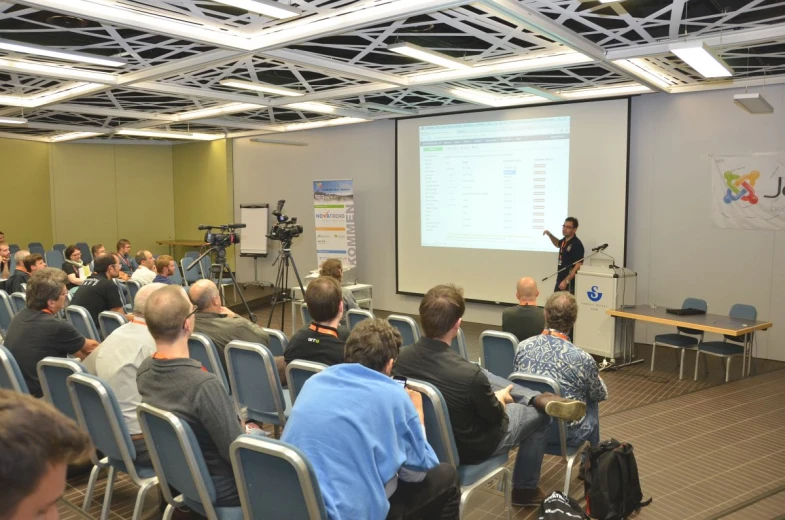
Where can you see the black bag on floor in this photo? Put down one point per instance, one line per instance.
(613, 490)
(558, 506)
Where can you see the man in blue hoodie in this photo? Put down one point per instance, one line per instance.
(365, 437)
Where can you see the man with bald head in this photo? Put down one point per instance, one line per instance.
(525, 319)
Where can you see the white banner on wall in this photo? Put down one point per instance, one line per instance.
(333, 204)
(748, 191)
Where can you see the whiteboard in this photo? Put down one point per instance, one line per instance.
(252, 237)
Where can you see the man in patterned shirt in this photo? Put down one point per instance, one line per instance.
(551, 354)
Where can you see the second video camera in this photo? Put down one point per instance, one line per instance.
(225, 238)
(285, 228)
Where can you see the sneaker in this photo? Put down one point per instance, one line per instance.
(567, 409)
(527, 497)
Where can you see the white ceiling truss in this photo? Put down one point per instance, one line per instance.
(184, 65)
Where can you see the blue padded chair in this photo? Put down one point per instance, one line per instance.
(53, 375)
(278, 341)
(127, 306)
(202, 349)
(7, 312)
(87, 255)
(684, 339)
(355, 316)
(177, 277)
(205, 265)
(458, 345)
(439, 432)
(18, 301)
(109, 321)
(98, 413)
(275, 476)
(36, 248)
(133, 288)
(59, 247)
(193, 255)
(190, 275)
(730, 346)
(256, 387)
(570, 454)
(298, 372)
(82, 321)
(410, 331)
(305, 315)
(54, 258)
(11, 377)
(498, 352)
(14, 248)
(179, 463)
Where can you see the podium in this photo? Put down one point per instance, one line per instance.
(599, 288)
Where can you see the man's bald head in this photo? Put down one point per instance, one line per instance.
(140, 300)
(202, 294)
(527, 291)
(166, 313)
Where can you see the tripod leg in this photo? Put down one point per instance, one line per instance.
(297, 274)
(277, 290)
(251, 316)
(285, 288)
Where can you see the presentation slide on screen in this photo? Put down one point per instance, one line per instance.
(514, 173)
(476, 191)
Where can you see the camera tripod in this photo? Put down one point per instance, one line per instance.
(282, 282)
(217, 271)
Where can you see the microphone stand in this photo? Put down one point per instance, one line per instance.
(594, 253)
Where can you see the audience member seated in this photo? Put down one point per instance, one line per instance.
(333, 267)
(5, 260)
(117, 360)
(36, 333)
(72, 266)
(99, 293)
(376, 447)
(489, 415)
(38, 443)
(19, 275)
(552, 354)
(164, 266)
(174, 382)
(321, 341)
(222, 325)
(145, 273)
(126, 262)
(525, 319)
(2, 236)
(97, 250)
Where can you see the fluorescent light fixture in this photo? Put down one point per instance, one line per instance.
(610, 1)
(12, 121)
(387, 108)
(437, 58)
(753, 103)
(643, 70)
(485, 98)
(264, 7)
(319, 108)
(607, 91)
(55, 71)
(214, 111)
(259, 87)
(192, 136)
(51, 96)
(318, 124)
(80, 57)
(70, 136)
(698, 56)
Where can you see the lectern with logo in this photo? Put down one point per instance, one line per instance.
(597, 289)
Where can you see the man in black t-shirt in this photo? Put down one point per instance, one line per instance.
(99, 293)
(570, 251)
(525, 319)
(323, 340)
(36, 333)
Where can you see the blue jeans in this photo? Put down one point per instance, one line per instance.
(528, 429)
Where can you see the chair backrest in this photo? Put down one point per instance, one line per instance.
(305, 315)
(693, 303)
(12, 262)
(81, 319)
(438, 429)
(278, 341)
(275, 476)
(458, 345)
(177, 276)
(202, 349)
(36, 248)
(53, 374)
(498, 352)
(11, 377)
(18, 301)
(355, 316)
(545, 384)
(298, 372)
(121, 292)
(740, 311)
(59, 247)
(133, 288)
(87, 255)
(204, 268)
(109, 321)
(7, 312)
(177, 458)
(98, 413)
(254, 380)
(190, 275)
(410, 331)
(14, 248)
(193, 255)
(54, 258)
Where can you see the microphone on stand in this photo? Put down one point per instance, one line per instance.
(600, 248)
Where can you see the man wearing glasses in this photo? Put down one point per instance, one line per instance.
(570, 251)
(99, 293)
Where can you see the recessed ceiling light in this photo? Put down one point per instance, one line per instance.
(229, 108)
(419, 53)
(79, 57)
(264, 7)
(259, 87)
(607, 91)
(319, 108)
(485, 98)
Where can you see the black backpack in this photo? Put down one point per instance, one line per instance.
(558, 506)
(612, 487)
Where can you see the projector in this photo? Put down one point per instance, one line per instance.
(753, 103)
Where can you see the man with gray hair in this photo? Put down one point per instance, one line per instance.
(117, 360)
(19, 274)
(145, 273)
(552, 354)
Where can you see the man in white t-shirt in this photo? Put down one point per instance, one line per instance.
(145, 273)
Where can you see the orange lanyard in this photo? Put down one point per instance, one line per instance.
(551, 332)
(324, 330)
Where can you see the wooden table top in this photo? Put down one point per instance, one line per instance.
(705, 322)
(187, 243)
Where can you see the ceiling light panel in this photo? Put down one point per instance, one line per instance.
(264, 7)
(259, 87)
(79, 57)
(698, 56)
(437, 58)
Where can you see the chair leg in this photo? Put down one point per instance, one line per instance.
(110, 476)
(140, 497)
(464, 499)
(168, 512)
(568, 476)
(653, 350)
(727, 369)
(88, 496)
(681, 364)
(508, 495)
(697, 362)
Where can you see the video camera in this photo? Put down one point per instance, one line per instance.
(284, 229)
(225, 238)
